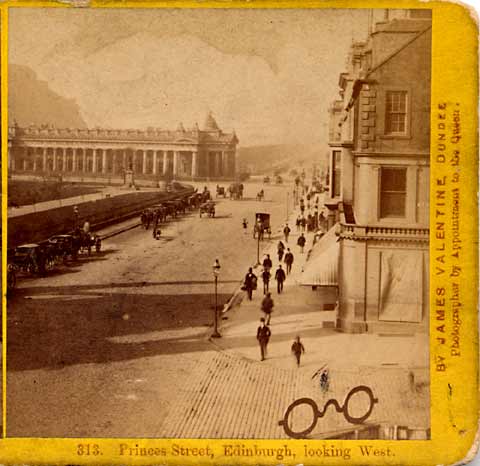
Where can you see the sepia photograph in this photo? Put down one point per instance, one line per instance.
(218, 224)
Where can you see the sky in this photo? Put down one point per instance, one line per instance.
(269, 74)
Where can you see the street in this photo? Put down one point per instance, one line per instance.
(103, 347)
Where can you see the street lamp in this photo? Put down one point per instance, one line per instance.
(259, 230)
(288, 194)
(75, 217)
(216, 273)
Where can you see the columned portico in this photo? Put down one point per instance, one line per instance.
(183, 153)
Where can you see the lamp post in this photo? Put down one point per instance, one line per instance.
(288, 195)
(75, 217)
(216, 273)
(259, 229)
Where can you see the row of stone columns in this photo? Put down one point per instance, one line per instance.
(58, 160)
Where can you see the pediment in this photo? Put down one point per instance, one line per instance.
(186, 141)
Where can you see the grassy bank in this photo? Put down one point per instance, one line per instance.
(22, 192)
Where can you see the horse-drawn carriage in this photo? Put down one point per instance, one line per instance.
(236, 191)
(147, 216)
(195, 200)
(208, 208)
(62, 247)
(262, 225)
(87, 241)
(206, 196)
(221, 191)
(27, 258)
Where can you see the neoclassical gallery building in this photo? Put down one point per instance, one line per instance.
(180, 154)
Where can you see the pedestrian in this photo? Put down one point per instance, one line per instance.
(301, 242)
(266, 280)
(263, 336)
(321, 220)
(267, 307)
(286, 232)
(304, 223)
(298, 223)
(155, 225)
(280, 277)
(250, 283)
(289, 261)
(267, 263)
(245, 225)
(298, 349)
(280, 250)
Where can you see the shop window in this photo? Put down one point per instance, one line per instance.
(336, 172)
(393, 192)
(396, 112)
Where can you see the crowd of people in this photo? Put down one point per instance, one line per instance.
(310, 219)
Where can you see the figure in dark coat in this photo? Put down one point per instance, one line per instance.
(280, 277)
(250, 283)
(289, 260)
(267, 263)
(297, 350)
(263, 336)
(267, 307)
(301, 242)
(280, 250)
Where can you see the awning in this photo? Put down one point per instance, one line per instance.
(321, 268)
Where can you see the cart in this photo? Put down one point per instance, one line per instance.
(262, 225)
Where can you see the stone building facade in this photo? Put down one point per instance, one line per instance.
(180, 154)
(379, 178)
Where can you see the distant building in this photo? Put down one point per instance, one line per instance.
(379, 180)
(181, 154)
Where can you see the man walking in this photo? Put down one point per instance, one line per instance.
(298, 349)
(266, 280)
(289, 260)
(267, 307)
(263, 336)
(250, 283)
(280, 250)
(267, 263)
(301, 242)
(280, 277)
(286, 232)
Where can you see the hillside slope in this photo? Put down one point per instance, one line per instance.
(31, 101)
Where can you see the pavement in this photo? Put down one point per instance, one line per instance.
(235, 395)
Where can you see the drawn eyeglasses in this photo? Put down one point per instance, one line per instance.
(344, 409)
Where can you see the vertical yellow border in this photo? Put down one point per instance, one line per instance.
(4, 110)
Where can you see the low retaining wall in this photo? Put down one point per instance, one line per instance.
(38, 226)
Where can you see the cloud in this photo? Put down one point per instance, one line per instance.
(145, 75)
